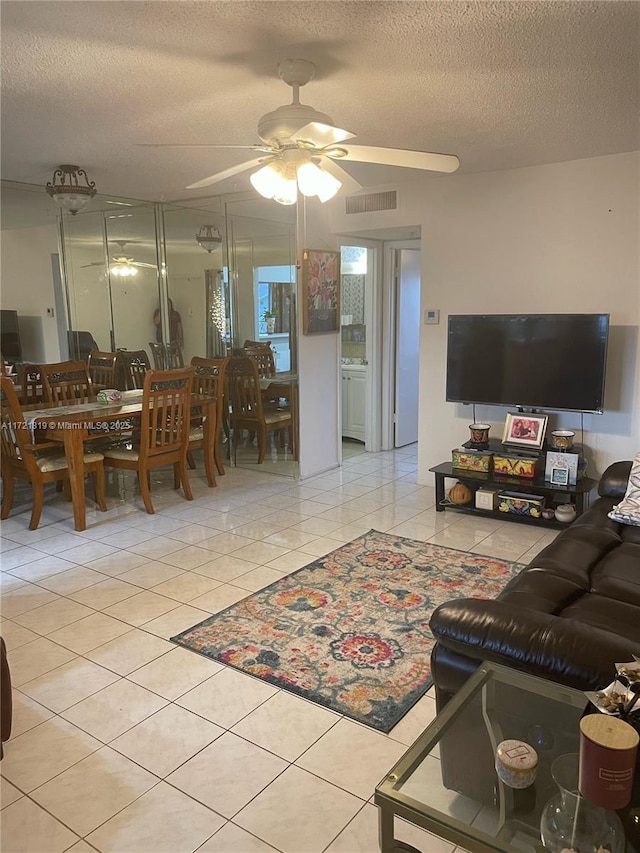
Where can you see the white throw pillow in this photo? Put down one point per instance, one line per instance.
(628, 511)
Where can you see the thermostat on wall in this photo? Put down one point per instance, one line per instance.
(431, 316)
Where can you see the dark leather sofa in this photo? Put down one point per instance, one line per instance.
(568, 616)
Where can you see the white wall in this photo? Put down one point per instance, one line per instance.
(559, 238)
(27, 281)
(318, 366)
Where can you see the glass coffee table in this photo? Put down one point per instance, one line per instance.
(472, 807)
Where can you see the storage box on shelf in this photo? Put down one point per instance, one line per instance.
(471, 460)
(486, 498)
(521, 504)
(513, 465)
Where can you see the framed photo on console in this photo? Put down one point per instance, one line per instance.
(525, 429)
(565, 461)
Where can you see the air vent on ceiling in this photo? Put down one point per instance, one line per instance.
(371, 202)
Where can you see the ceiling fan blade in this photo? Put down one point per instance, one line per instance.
(349, 184)
(94, 264)
(320, 135)
(398, 157)
(228, 173)
(256, 147)
(141, 264)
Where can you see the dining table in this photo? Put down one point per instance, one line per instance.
(77, 421)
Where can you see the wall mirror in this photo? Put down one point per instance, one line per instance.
(263, 279)
(125, 264)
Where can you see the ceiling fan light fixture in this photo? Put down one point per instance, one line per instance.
(123, 269)
(276, 181)
(266, 180)
(312, 180)
(71, 188)
(209, 237)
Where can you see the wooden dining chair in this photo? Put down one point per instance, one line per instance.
(102, 367)
(39, 463)
(65, 381)
(209, 379)
(30, 381)
(247, 407)
(264, 358)
(164, 432)
(175, 358)
(166, 356)
(136, 365)
(159, 355)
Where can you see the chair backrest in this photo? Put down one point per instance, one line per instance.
(264, 359)
(174, 355)
(164, 424)
(102, 368)
(30, 379)
(136, 364)
(159, 355)
(209, 378)
(166, 356)
(244, 389)
(66, 380)
(17, 443)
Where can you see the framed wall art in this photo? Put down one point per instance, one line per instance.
(525, 429)
(320, 291)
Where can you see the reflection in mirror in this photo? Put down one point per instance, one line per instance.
(111, 269)
(262, 272)
(275, 302)
(196, 280)
(122, 260)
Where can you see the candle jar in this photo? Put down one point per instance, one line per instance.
(479, 434)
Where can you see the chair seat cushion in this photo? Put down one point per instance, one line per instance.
(57, 462)
(123, 452)
(272, 417)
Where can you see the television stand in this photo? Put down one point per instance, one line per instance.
(553, 494)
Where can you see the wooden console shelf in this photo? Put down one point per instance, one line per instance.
(535, 485)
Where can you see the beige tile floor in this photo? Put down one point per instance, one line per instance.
(123, 741)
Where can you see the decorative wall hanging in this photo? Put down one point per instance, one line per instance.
(320, 291)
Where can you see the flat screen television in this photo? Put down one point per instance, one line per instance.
(10, 345)
(541, 361)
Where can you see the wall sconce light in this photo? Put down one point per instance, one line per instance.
(71, 188)
(209, 237)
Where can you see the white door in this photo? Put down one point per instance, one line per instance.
(407, 346)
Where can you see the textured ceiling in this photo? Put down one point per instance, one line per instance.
(500, 84)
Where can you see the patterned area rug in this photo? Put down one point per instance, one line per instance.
(350, 631)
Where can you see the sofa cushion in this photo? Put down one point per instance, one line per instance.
(617, 575)
(608, 614)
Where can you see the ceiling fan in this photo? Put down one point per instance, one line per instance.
(122, 265)
(301, 147)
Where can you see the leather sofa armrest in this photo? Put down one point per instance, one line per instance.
(613, 483)
(542, 644)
